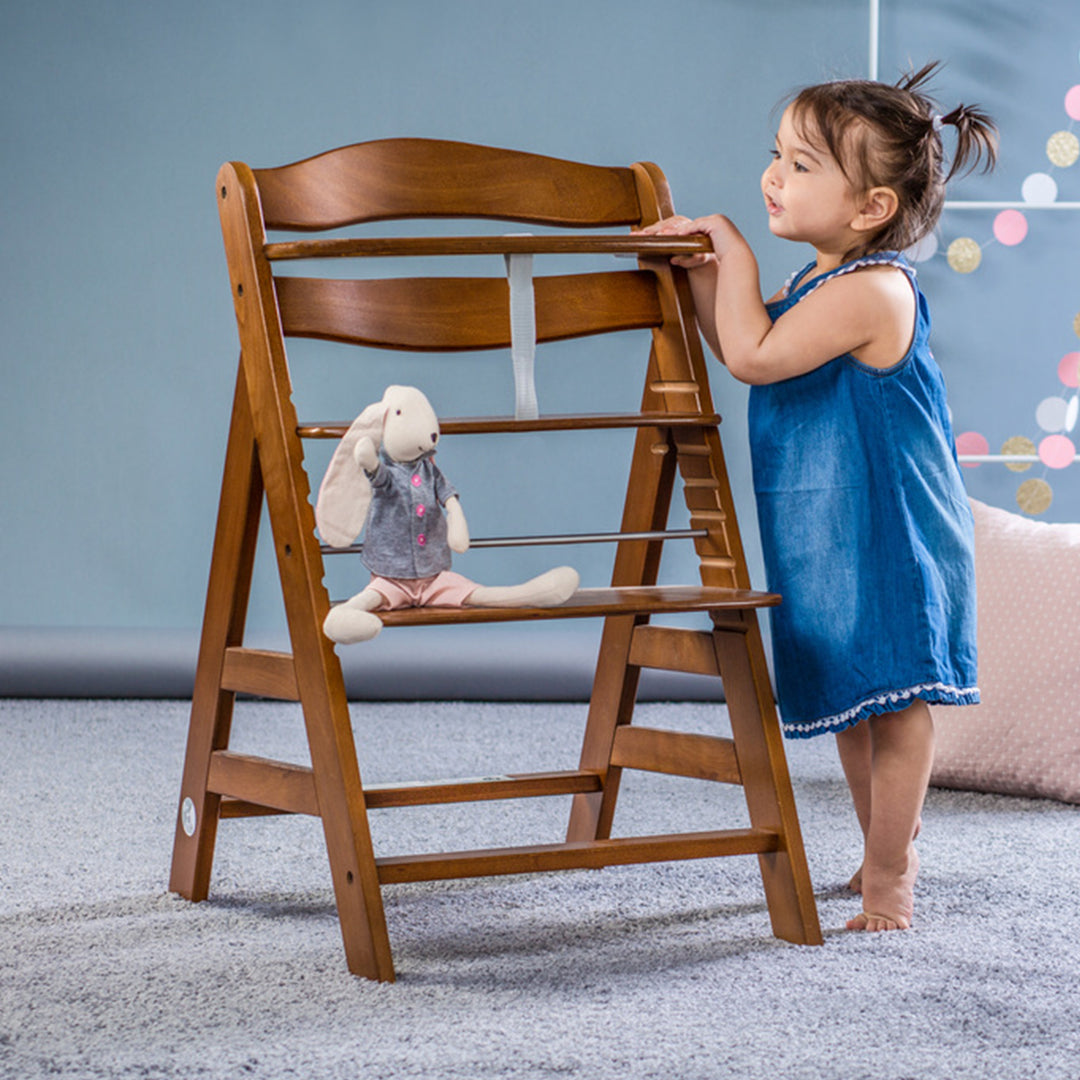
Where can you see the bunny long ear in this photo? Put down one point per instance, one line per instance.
(345, 492)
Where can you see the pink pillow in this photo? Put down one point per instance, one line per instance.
(1024, 739)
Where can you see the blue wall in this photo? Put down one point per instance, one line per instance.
(116, 331)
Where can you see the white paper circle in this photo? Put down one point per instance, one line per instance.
(1051, 413)
(924, 249)
(1039, 188)
(1071, 412)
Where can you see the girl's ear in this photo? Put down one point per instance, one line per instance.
(877, 208)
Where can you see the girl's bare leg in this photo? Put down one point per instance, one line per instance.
(901, 756)
(853, 747)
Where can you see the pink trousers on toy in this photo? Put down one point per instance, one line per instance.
(445, 589)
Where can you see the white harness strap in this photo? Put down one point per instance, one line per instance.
(519, 273)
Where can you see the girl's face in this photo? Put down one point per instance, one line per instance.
(807, 196)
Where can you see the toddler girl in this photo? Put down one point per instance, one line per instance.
(865, 525)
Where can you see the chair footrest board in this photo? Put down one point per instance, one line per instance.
(591, 603)
(578, 855)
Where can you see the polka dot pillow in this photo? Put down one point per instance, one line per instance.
(1024, 739)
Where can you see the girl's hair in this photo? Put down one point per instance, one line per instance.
(890, 136)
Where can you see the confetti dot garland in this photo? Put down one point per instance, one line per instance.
(1063, 148)
(964, 255)
(1018, 446)
(1010, 226)
(1034, 496)
(1069, 368)
(1055, 415)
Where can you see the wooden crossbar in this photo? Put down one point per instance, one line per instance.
(585, 855)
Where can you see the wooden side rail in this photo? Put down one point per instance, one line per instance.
(676, 753)
(674, 649)
(261, 673)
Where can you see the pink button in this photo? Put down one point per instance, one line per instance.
(421, 510)
(416, 481)
(421, 539)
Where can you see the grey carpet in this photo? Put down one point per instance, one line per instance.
(651, 971)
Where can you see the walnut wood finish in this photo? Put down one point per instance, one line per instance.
(676, 447)
(445, 314)
(645, 247)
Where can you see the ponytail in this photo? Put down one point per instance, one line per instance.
(976, 140)
(976, 133)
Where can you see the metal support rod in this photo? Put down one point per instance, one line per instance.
(571, 538)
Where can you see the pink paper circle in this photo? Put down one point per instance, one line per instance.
(1069, 369)
(1057, 451)
(1072, 102)
(971, 442)
(1010, 227)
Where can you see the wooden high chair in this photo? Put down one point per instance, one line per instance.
(676, 436)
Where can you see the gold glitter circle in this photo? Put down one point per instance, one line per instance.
(1034, 496)
(1018, 444)
(1063, 148)
(964, 255)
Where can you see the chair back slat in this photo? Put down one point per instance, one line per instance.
(454, 314)
(431, 178)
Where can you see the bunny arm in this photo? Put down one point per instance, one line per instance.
(365, 453)
(457, 528)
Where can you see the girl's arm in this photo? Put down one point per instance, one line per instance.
(702, 283)
(869, 314)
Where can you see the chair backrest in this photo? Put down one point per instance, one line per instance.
(397, 179)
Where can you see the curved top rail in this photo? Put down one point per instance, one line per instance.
(407, 178)
(380, 246)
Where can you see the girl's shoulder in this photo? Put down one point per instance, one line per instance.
(869, 313)
(803, 282)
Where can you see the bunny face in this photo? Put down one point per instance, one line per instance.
(404, 425)
(410, 427)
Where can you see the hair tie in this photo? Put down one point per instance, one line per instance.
(937, 121)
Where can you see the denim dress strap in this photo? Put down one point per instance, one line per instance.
(799, 285)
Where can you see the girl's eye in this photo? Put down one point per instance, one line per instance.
(775, 155)
(800, 167)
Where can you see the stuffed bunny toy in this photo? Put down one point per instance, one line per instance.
(382, 476)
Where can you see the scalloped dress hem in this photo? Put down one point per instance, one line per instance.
(890, 701)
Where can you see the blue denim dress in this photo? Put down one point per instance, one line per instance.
(866, 531)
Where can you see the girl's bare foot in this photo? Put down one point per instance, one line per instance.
(855, 884)
(889, 897)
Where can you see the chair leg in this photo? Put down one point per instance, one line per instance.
(223, 626)
(612, 703)
(766, 782)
